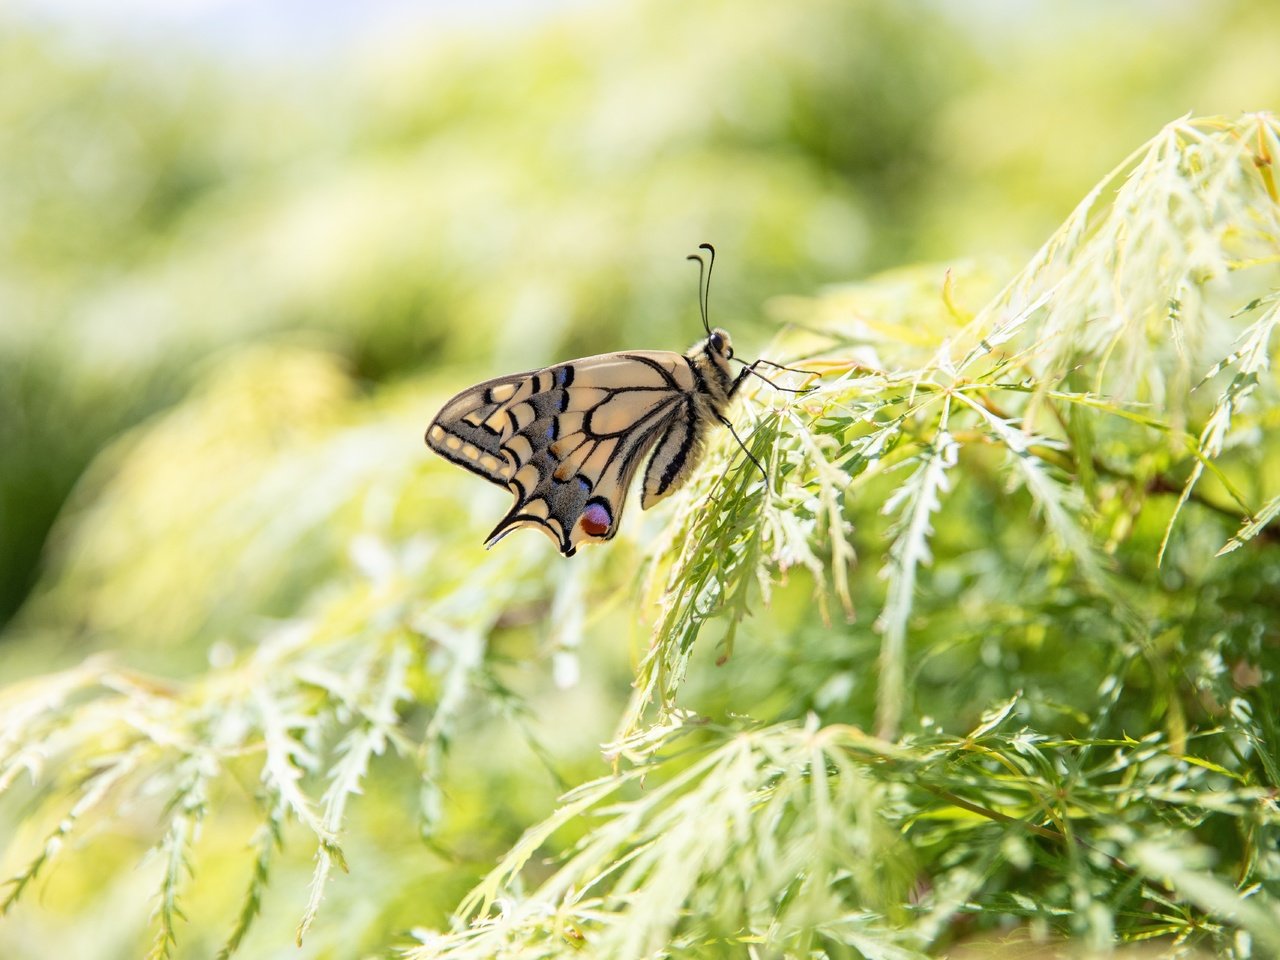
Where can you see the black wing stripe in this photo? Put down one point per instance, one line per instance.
(656, 409)
(637, 450)
(516, 487)
(677, 462)
(663, 371)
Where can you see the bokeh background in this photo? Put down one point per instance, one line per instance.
(226, 226)
(482, 186)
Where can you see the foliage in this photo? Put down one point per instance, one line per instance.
(431, 197)
(808, 841)
(1051, 515)
(1122, 370)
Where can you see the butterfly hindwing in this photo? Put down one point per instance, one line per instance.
(567, 440)
(675, 455)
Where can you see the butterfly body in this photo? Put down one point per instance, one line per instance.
(568, 440)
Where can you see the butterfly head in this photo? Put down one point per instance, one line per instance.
(710, 357)
(719, 344)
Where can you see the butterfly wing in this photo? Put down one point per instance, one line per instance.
(463, 432)
(676, 454)
(567, 440)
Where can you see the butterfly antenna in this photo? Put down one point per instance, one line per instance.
(704, 281)
(706, 287)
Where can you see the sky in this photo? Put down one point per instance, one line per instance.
(273, 30)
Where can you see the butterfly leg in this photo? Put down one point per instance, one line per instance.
(750, 370)
(751, 456)
(778, 366)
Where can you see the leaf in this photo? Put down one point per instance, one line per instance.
(919, 497)
(1251, 528)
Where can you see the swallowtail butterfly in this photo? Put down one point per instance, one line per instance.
(567, 440)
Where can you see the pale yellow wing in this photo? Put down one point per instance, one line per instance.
(676, 454)
(567, 440)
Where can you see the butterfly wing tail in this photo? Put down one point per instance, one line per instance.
(516, 519)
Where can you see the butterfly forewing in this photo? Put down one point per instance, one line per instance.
(470, 429)
(567, 440)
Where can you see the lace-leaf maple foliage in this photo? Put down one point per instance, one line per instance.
(1047, 488)
(1008, 601)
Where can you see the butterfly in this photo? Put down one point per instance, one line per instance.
(568, 440)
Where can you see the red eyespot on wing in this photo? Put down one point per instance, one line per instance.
(596, 520)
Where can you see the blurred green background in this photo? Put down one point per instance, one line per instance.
(246, 249)
(487, 187)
